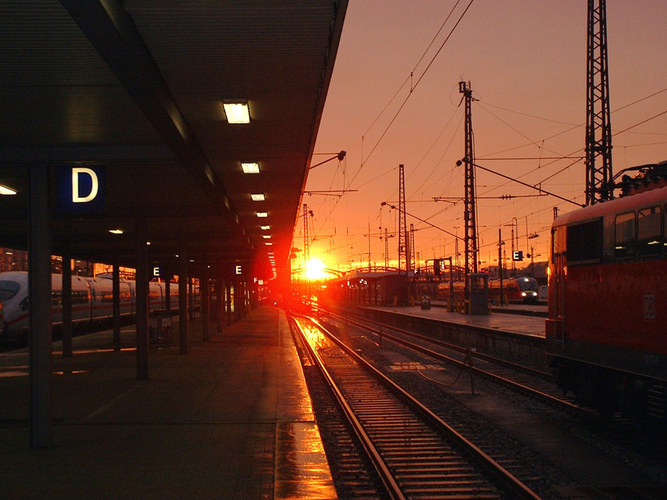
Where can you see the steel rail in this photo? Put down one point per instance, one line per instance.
(392, 488)
(498, 471)
(561, 403)
(442, 343)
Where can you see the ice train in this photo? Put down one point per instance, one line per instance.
(92, 300)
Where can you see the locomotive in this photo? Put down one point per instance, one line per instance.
(92, 300)
(606, 332)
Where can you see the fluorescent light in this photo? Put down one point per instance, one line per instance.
(116, 231)
(7, 191)
(265, 228)
(266, 236)
(262, 214)
(257, 196)
(268, 243)
(250, 167)
(237, 112)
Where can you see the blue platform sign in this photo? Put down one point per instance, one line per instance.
(80, 190)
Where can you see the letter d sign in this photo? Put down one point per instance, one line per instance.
(80, 190)
(94, 185)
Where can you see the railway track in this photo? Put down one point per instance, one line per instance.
(413, 451)
(531, 382)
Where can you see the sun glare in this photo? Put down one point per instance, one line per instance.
(315, 269)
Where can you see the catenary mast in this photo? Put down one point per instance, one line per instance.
(403, 237)
(598, 124)
(470, 263)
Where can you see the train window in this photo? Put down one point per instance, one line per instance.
(8, 289)
(79, 296)
(556, 242)
(649, 231)
(624, 241)
(584, 242)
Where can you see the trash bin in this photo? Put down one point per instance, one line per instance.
(426, 302)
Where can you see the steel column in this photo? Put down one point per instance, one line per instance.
(183, 280)
(115, 283)
(39, 262)
(66, 289)
(142, 301)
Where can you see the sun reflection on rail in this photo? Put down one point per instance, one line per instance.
(314, 335)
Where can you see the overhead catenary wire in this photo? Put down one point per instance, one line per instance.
(576, 159)
(553, 160)
(412, 88)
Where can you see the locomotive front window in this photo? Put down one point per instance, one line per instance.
(584, 242)
(649, 231)
(624, 242)
(527, 284)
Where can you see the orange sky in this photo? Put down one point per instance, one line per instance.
(526, 62)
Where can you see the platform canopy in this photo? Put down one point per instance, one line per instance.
(132, 93)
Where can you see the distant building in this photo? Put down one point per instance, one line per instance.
(12, 259)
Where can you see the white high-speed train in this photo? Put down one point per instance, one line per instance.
(92, 300)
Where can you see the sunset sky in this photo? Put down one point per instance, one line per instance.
(526, 63)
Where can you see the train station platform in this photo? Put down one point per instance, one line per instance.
(539, 310)
(231, 419)
(520, 324)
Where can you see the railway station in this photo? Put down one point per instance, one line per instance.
(174, 139)
(169, 143)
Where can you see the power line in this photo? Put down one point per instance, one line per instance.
(526, 184)
(412, 88)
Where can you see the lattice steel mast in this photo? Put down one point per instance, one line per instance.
(403, 237)
(386, 249)
(306, 240)
(598, 117)
(413, 262)
(470, 205)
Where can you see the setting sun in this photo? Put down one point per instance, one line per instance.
(315, 269)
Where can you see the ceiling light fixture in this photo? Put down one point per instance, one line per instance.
(265, 228)
(250, 167)
(7, 191)
(237, 112)
(116, 231)
(257, 196)
(262, 214)
(266, 236)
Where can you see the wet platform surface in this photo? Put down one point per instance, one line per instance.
(231, 419)
(524, 325)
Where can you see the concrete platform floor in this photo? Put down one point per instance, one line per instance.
(231, 419)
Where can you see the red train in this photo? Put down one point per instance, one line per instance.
(607, 323)
(521, 289)
(516, 290)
